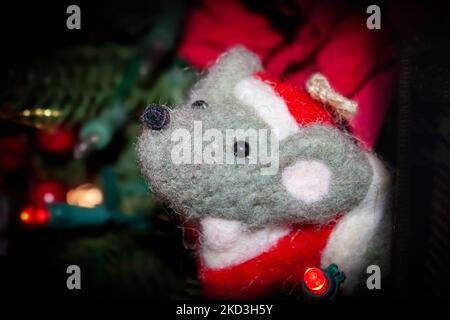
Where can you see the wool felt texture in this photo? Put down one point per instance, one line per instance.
(286, 223)
(228, 242)
(268, 105)
(359, 239)
(363, 236)
(155, 117)
(330, 38)
(307, 180)
(239, 191)
(274, 272)
(302, 107)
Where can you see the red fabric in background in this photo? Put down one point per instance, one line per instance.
(216, 26)
(333, 40)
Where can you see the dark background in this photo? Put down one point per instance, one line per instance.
(415, 141)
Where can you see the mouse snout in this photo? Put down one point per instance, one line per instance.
(156, 117)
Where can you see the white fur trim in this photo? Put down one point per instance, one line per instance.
(268, 105)
(227, 243)
(307, 180)
(352, 243)
(220, 234)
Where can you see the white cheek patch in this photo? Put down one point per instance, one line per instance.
(307, 180)
(269, 106)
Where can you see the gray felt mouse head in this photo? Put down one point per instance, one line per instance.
(234, 151)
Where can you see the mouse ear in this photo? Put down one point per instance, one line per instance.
(238, 62)
(220, 79)
(320, 89)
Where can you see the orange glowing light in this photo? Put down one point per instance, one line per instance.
(315, 280)
(25, 216)
(86, 195)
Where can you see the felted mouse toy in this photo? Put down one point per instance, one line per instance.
(324, 202)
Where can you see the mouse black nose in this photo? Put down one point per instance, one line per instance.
(156, 117)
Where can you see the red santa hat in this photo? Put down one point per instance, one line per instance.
(286, 108)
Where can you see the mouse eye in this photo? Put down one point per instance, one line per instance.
(241, 149)
(199, 104)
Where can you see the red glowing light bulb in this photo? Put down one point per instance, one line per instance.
(315, 280)
(42, 216)
(34, 216)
